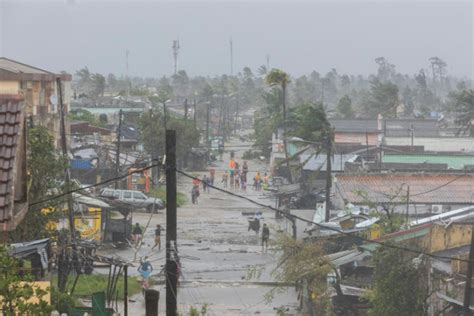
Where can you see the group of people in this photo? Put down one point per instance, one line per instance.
(236, 177)
(260, 182)
(254, 225)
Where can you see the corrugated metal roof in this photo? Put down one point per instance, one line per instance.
(10, 121)
(392, 188)
(318, 162)
(453, 161)
(20, 68)
(402, 127)
(354, 126)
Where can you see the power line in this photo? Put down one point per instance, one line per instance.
(55, 197)
(324, 226)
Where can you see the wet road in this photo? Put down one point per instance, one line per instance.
(217, 252)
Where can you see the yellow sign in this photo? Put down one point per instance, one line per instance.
(87, 224)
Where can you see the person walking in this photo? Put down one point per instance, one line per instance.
(212, 175)
(145, 269)
(137, 234)
(225, 178)
(157, 237)
(204, 183)
(265, 237)
(245, 168)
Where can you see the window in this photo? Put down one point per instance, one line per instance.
(127, 195)
(139, 196)
(107, 193)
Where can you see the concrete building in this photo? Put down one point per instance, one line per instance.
(38, 89)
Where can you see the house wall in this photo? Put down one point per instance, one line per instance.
(441, 144)
(9, 87)
(442, 238)
(356, 138)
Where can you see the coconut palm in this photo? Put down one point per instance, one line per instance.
(277, 77)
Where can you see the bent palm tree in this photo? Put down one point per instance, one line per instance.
(277, 77)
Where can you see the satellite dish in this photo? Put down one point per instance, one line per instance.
(54, 100)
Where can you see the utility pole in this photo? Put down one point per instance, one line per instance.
(467, 289)
(175, 55)
(117, 155)
(171, 245)
(231, 57)
(408, 202)
(207, 122)
(67, 181)
(186, 109)
(412, 130)
(194, 112)
(236, 113)
(328, 175)
(367, 145)
(125, 290)
(165, 115)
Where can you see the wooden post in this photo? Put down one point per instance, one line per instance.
(67, 181)
(171, 245)
(328, 176)
(117, 156)
(467, 289)
(125, 290)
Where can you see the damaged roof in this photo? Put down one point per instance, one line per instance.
(392, 188)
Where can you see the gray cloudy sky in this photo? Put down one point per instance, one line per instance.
(299, 36)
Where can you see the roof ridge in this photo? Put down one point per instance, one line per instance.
(26, 65)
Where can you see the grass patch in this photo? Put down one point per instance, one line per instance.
(160, 193)
(89, 284)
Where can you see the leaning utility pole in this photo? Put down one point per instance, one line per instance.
(62, 277)
(467, 288)
(328, 175)
(117, 154)
(171, 245)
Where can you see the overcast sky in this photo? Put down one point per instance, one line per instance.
(298, 36)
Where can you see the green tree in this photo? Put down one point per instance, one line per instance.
(277, 77)
(399, 286)
(344, 107)
(383, 99)
(99, 83)
(45, 168)
(463, 104)
(85, 116)
(16, 292)
(309, 122)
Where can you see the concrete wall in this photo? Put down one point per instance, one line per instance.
(442, 144)
(441, 238)
(9, 87)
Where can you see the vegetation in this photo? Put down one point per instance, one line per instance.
(86, 116)
(463, 107)
(17, 290)
(399, 285)
(160, 193)
(45, 167)
(304, 262)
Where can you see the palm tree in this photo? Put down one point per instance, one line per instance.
(277, 77)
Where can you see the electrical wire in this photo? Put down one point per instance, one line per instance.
(295, 217)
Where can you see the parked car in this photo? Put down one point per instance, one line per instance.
(135, 198)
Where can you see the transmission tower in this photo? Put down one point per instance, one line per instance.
(175, 55)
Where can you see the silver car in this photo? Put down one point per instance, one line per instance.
(135, 198)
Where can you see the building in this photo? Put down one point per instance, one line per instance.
(409, 127)
(39, 91)
(421, 194)
(13, 172)
(452, 161)
(355, 131)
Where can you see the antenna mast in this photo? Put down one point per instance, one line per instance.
(175, 55)
(231, 57)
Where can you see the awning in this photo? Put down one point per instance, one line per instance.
(87, 200)
(348, 256)
(25, 249)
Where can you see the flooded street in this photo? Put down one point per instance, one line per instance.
(217, 252)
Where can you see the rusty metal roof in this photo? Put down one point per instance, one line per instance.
(392, 188)
(10, 121)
